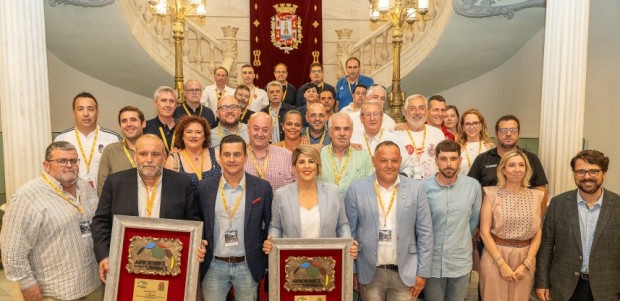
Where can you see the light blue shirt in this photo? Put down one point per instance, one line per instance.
(455, 211)
(222, 223)
(588, 218)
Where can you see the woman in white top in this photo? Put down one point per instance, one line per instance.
(308, 208)
(473, 137)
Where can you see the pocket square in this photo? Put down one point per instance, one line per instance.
(254, 202)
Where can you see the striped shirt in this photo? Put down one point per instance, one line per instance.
(42, 242)
(279, 170)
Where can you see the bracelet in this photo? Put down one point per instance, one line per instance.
(527, 263)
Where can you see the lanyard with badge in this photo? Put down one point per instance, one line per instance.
(231, 236)
(83, 224)
(90, 156)
(418, 172)
(385, 234)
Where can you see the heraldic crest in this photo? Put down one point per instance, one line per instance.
(286, 27)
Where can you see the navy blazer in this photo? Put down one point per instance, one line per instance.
(258, 196)
(120, 196)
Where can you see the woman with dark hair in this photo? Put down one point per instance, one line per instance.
(510, 227)
(193, 155)
(292, 131)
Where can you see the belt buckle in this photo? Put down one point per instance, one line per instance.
(585, 277)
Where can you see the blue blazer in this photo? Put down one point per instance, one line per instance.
(258, 196)
(285, 219)
(414, 233)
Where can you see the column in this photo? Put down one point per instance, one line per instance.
(24, 93)
(563, 89)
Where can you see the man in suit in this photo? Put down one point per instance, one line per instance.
(146, 191)
(234, 229)
(579, 256)
(390, 218)
(276, 110)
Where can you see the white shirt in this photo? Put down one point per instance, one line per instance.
(388, 123)
(422, 165)
(372, 142)
(104, 137)
(349, 109)
(310, 222)
(142, 198)
(258, 98)
(209, 96)
(471, 149)
(386, 254)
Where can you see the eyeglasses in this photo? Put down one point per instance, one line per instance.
(371, 114)
(65, 162)
(591, 172)
(228, 108)
(316, 71)
(505, 131)
(471, 124)
(193, 91)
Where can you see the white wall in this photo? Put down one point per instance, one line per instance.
(66, 82)
(515, 87)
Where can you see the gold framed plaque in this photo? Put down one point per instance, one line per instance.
(311, 269)
(153, 259)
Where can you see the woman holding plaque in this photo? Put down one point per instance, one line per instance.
(193, 155)
(510, 226)
(308, 208)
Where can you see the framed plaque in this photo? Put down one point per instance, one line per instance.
(153, 259)
(311, 269)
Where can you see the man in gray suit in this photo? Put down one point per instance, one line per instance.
(390, 218)
(579, 256)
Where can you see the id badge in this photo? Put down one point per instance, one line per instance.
(85, 229)
(385, 237)
(418, 173)
(231, 238)
(91, 182)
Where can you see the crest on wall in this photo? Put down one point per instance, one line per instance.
(286, 27)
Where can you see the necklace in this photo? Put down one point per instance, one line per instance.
(467, 152)
(197, 171)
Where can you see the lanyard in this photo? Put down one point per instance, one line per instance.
(129, 157)
(467, 152)
(190, 114)
(225, 203)
(150, 198)
(322, 136)
(92, 148)
(64, 195)
(197, 171)
(349, 86)
(338, 174)
(368, 143)
(285, 88)
(418, 150)
(385, 214)
(163, 137)
(261, 173)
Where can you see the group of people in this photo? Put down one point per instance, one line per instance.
(256, 164)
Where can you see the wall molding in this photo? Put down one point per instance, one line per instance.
(86, 3)
(487, 8)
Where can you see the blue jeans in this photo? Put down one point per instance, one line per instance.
(222, 275)
(446, 289)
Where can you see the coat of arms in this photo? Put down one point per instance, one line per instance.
(286, 27)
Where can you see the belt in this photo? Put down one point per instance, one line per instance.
(231, 259)
(392, 267)
(585, 277)
(511, 242)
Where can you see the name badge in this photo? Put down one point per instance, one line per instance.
(85, 229)
(385, 237)
(231, 238)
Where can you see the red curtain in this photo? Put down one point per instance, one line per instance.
(289, 32)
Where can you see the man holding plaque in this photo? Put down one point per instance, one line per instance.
(46, 239)
(390, 218)
(146, 191)
(237, 209)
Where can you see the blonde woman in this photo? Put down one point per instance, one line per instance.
(473, 137)
(510, 227)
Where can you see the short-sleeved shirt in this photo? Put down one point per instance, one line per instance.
(484, 168)
(344, 89)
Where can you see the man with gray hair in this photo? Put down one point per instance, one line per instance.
(276, 110)
(192, 105)
(375, 93)
(419, 140)
(162, 126)
(47, 246)
(372, 132)
(343, 164)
